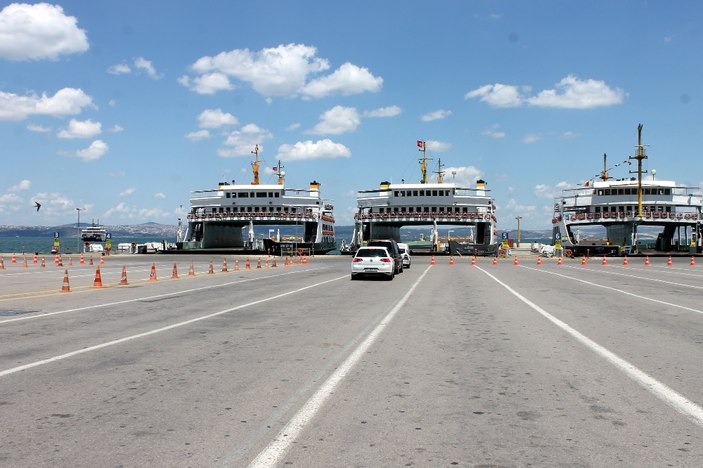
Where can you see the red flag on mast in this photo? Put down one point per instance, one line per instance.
(420, 143)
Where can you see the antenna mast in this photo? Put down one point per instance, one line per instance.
(423, 162)
(439, 172)
(255, 166)
(639, 157)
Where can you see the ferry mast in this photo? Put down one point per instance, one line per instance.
(423, 162)
(639, 157)
(255, 166)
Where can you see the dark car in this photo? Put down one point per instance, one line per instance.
(392, 247)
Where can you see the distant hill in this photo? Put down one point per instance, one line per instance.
(151, 230)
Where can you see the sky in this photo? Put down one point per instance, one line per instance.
(121, 109)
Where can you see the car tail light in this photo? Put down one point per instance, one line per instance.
(357, 260)
(386, 260)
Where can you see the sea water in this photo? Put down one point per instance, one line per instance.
(43, 244)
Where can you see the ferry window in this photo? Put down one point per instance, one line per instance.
(243, 195)
(275, 194)
(395, 193)
(668, 209)
(434, 208)
(227, 194)
(422, 193)
(227, 209)
(607, 191)
(667, 191)
(251, 194)
(414, 193)
(410, 209)
(402, 209)
(597, 209)
(465, 210)
(278, 209)
(621, 192)
(285, 209)
(260, 194)
(381, 210)
(249, 209)
(427, 210)
(660, 208)
(434, 193)
(395, 210)
(600, 192)
(621, 208)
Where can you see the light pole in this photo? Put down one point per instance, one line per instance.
(518, 230)
(78, 229)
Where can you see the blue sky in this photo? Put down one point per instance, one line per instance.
(123, 108)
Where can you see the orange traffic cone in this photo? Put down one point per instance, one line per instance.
(82, 260)
(258, 263)
(224, 265)
(70, 261)
(43, 262)
(2, 263)
(236, 265)
(266, 263)
(247, 265)
(583, 260)
(91, 260)
(516, 262)
(693, 261)
(60, 262)
(24, 265)
(560, 262)
(646, 261)
(191, 271)
(305, 260)
(98, 282)
(123, 280)
(669, 262)
(433, 260)
(211, 270)
(14, 258)
(473, 260)
(605, 262)
(451, 260)
(539, 261)
(66, 287)
(285, 261)
(495, 260)
(273, 263)
(625, 261)
(56, 259)
(152, 275)
(174, 274)
(35, 260)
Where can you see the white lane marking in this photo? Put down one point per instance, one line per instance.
(146, 298)
(627, 293)
(273, 453)
(656, 280)
(159, 330)
(674, 399)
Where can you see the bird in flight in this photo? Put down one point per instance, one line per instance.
(38, 205)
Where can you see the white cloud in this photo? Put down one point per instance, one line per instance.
(81, 129)
(498, 95)
(390, 111)
(304, 150)
(569, 93)
(198, 135)
(66, 101)
(531, 138)
(465, 176)
(143, 64)
(285, 70)
(38, 128)
(95, 151)
(160, 195)
(242, 142)
(119, 69)
(293, 126)
(572, 93)
(347, 79)
(336, 121)
(116, 129)
(20, 186)
(438, 146)
(494, 132)
(215, 118)
(39, 31)
(549, 192)
(128, 191)
(515, 206)
(440, 114)
(208, 83)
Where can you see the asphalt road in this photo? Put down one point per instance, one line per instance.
(507, 365)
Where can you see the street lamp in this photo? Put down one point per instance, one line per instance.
(78, 228)
(518, 230)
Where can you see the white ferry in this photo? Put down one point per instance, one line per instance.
(93, 233)
(383, 211)
(225, 218)
(631, 215)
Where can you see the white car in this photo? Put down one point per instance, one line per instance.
(372, 261)
(405, 254)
